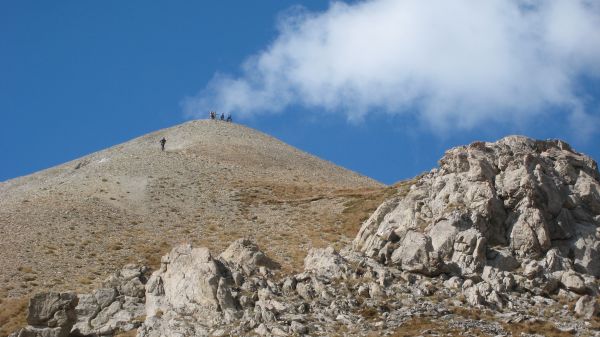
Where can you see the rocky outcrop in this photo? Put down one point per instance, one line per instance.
(495, 204)
(190, 285)
(194, 291)
(116, 307)
(49, 315)
(336, 288)
(195, 294)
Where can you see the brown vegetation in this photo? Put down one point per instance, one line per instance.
(13, 314)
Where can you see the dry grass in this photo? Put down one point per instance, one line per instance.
(418, 325)
(13, 314)
(312, 222)
(130, 333)
(150, 255)
(360, 206)
(471, 313)
(369, 312)
(543, 328)
(316, 216)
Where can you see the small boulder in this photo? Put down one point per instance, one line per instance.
(245, 255)
(326, 262)
(587, 307)
(573, 282)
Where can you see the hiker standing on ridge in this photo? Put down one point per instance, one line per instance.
(229, 119)
(162, 143)
(222, 116)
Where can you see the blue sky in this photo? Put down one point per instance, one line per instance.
(381, 87)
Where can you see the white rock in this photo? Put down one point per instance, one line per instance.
(587, 307)
(573, 282)
(326, 262)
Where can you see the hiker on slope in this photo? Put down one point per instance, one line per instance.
(162, 143)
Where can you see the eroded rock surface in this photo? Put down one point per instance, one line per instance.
(50, 315)
(495, 204)
(194, 291)
(117, 307)
(350, 292)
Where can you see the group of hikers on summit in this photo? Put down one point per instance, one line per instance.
(213, 116)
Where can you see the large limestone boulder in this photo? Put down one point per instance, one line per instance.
(573, 282)
(187, 283)
(189, 294)
(495, 204)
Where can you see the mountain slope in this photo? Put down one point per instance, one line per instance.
(500, 240)
(71, 225)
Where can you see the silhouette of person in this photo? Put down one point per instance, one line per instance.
(162, 143)
(229, 119)
(222, 116)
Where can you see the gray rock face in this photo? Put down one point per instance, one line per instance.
(186, 284)
(587, 307)
(526, 197)
(325, 262)
(194, 291)
(117, 307)
(244, 254)
(416, 254)
(51, 308)
(103, 312)
(468, 257)
(50, 315)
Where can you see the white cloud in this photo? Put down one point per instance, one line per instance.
(456, 64)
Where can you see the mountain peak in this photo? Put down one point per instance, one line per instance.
(214, 182)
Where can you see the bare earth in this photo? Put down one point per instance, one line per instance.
(68, 227)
